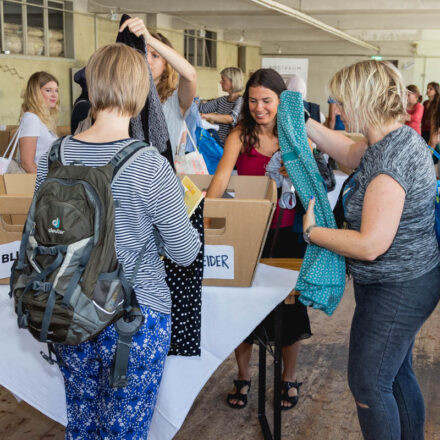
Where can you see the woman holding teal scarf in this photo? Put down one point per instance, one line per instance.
(390, 245)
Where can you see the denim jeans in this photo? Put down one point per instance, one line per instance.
(380, 372)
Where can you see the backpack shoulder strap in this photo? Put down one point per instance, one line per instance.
(128, 154)
(56, 152)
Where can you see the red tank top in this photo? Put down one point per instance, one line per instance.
(254, 164)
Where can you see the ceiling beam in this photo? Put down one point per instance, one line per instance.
(286, 10)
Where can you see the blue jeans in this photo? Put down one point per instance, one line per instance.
(380, 374)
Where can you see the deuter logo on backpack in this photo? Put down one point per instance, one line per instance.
(56, 225)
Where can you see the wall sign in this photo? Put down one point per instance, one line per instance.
(218, 262)
(287, 66)
(8, 254)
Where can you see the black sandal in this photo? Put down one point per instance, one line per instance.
(293, 400)
(239, 384)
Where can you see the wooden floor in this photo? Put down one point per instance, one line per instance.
(325, 411)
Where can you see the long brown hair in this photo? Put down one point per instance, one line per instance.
(33, 100)
(270, 79)
(169, 78)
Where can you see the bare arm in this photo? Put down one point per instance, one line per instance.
(331, 120)
(381, 213)
(188, 76)
(28, 147)
(220, 181)
(434, 138)
(217, 118)
(336, 145)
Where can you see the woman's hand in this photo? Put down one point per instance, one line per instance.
(207, 116)
(282, 170)
(309, 216)
(137, 27)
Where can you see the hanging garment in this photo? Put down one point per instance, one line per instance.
(185, 284)
(150, 124)
(321, 281)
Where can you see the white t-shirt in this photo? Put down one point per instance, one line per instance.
(174, 120)
(31, 126)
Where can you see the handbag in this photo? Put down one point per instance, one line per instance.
(189, 163)
(6, 161)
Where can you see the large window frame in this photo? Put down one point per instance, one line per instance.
(49, 34)
(200, 47)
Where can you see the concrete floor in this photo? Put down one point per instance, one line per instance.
(325, 411)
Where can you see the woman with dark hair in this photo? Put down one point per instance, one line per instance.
(414, 108)
(433, 93)
(250, 147)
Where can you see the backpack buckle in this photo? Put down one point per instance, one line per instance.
(23, 320)
(41, 286)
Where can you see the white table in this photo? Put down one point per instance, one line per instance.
(228, 316)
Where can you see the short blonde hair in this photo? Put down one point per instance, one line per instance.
(235, 75)
(33, 99)
(372, 94)
(117, 78)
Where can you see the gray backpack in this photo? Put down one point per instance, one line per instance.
(67, 283)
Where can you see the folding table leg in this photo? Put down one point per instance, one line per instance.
(277, 375)
(262, 387)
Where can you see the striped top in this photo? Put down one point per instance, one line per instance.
(223, 107)
(149, 196)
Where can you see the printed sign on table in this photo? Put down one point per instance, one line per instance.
(8, 254)
(218, 262)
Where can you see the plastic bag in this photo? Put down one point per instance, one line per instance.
(210, 149)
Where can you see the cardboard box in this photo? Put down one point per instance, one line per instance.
(239, 226)
(19, 185)
(10, 235)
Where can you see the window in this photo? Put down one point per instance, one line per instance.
(200, 48)
(37, 27)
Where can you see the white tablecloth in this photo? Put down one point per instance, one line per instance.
(228, 316)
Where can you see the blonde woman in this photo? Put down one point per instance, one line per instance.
(38, 119)
(174, 77)
(226, 109)
(390, 245)
(150, 200)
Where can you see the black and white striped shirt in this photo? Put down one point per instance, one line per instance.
(149, 193)
(223, 107)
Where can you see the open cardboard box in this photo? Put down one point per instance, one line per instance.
(18, 185)
(10, 235)
(238, 230)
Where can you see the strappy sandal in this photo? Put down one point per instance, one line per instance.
(293, 400)
(239, 384)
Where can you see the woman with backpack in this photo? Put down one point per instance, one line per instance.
(390, 245)
(149, 200)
